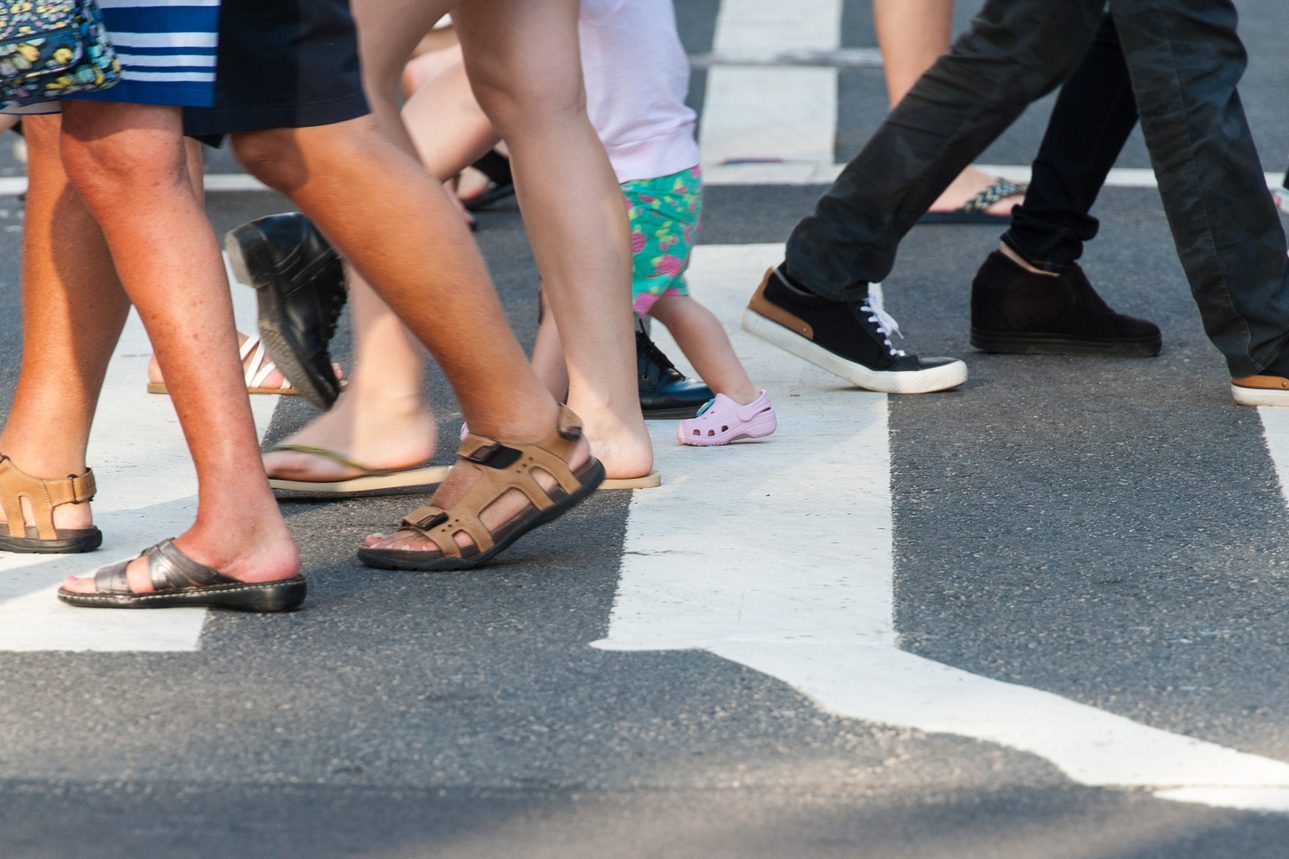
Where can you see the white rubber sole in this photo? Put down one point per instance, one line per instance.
(940, 378)
(1259, 396)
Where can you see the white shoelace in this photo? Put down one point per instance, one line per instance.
(884, 321)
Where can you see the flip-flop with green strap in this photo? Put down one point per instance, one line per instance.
(371, 480)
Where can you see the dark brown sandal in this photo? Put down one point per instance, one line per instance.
(501, 467)
(43, 496)
(180, 582)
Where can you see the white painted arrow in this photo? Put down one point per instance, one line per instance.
(778, 556)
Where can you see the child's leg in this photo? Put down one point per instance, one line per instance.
(702, 338)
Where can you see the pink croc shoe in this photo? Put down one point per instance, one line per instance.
(722, 421)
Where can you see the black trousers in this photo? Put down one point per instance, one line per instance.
(1185, 61)
(1093, 116)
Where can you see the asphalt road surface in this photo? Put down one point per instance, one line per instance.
(1042, 616)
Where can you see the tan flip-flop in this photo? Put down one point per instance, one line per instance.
(370, 480)
(652, 480)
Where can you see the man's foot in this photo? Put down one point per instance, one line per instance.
(849, 339)
(250, 565)
(300, 283)
(1268, 388)
(496, 492)
(664, 390)
(1021, 311)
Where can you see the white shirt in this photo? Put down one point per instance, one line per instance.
(637, 78)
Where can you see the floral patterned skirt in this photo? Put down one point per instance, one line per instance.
(664, 215)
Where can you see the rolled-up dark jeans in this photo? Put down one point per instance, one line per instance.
(1093, 116)
(1185, 61)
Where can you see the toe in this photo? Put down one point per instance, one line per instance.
(79, 585)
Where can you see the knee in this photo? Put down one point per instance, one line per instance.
(511, 104)
(272, 156)
(114, 168)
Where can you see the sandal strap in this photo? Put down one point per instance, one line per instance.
(42, 495)
(501, 467)
(112, 580)
(322, 452)
(1000, 189)
(169, 569)
(261, 366)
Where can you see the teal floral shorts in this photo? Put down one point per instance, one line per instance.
(664, 214)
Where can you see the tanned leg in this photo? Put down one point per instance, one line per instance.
(128, 163)
(73, 309)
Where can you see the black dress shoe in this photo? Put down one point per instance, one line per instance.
(664, 390)
(1016, 311)
(300, 283)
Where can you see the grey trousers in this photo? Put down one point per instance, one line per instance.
(1185, 61)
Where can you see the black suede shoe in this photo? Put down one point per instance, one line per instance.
(849, 339)
(300, 282)
(665, 392)
(1014, 310)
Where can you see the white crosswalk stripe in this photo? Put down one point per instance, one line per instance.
(778, 556)
(148, 493)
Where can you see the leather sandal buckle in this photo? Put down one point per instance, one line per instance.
(495, 455)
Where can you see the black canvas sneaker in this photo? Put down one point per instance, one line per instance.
(849, 339)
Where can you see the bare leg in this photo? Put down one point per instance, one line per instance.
(402, 219)
(128, 163)
(548, 355)
(912, 35)
(74, 308)
(524, 65)
(702, 338)
(381, 420)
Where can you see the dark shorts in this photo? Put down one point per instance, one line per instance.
(282, 64)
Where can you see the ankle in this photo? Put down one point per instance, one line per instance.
(1016, 257)
(743, 395)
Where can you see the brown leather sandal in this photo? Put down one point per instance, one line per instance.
(180, 582)
(501, 467)
(43, 496)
